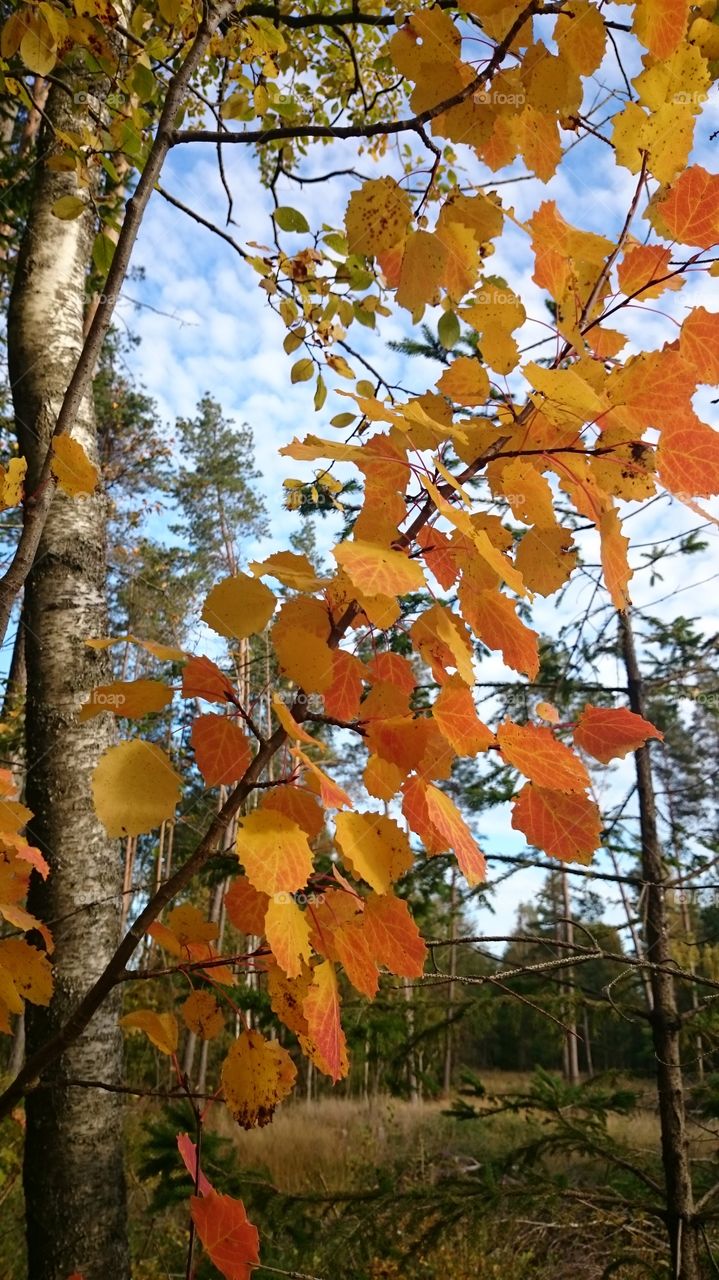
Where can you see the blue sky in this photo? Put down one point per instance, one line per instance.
(206, 326)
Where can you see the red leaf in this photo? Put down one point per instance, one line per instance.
(231, 1241)
(188, 1151)
(221, 750)
(611, 732)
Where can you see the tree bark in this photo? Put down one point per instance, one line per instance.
(665, 1022)
(73, 1173)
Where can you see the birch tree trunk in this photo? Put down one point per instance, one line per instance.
(74, 1178)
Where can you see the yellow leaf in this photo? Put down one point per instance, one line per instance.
(377, 216)
(12, 482)
(465, 382)
(131, 698)
(71, 467)
(29, 968)
(135, 788)
(288, 934)
(374, 847)
(238, 607)
(256, 1075)
(160, 1028)
(293, 570)
(274, 852)
(423, 263)
(37, 47)
(202, 1015)
(377, 570)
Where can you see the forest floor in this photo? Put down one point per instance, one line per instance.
(385, 1189)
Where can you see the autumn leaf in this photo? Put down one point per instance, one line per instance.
(189, 925)
(274, 852)
(134, 788)
(246, 907)
(377, 570)
(608, 733)
(188, 1153)
(76, 475)
(288, 934)
(238, 607)
(689, 212)
(202, 678)
(297, 804)
(454, 712)
(160, 1028)
(377, 216)
(565, 825)
(229, 1238)
(325, 1039)
(202, 1015)
(447, 821)
(688, 457)
(541, 757)
(221, 749)
(353, 948)
(393, 937)
(29, 969)
(374, 846)
(256, 1075)
(130, 698)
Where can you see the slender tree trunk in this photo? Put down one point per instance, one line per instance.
(665, 1021)
(572, 1039)
(74, 1179)
(449, 1036)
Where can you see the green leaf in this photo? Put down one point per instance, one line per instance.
(320, 393)
(448, 330)
(102, 253)
(68, 207)
(302, 371)
(288, 219)
(342, 419)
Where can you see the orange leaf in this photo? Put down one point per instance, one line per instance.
(661, 24)
(450, 825)
(611, 732)
(688, 457)
(354, 952)
(540, 756)
(342, 697)
(332, 795)
(465, 381)
(300, 636)
(690, 211)
(221, 749)
(699, 343)
(493, 617)
(325, 1041)
(392, 668)
(565, 826)
(393, 937)
(202, 678)
(230, 1240)
(246, 907)
(642, 270)
(298, 805)
(615, 565)
(188, 1152)
(455, 715)
(274, 852)
(202, 1015)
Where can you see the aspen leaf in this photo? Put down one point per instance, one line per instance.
(69, 207)
(342, 696)
(238, 607)
(645, 271)
(274, 852)
(287, 996)
(288, 934)
(76, 475)
(188, 1153)
(289, 219)
(256, 1075)
(493, 618)
(374, 847)
(449, 824)
(377, 570)
(325, 1039)
(332, 795)
(454, 712)
(565, 825)
(302, 370)
(202, 1015)
(423, 263)
(11, 481)
(689, 212)
(608, 733)
(290, 725)
(189, 925)
(353, 951)
(135, 788)
(130, 698)
(465, 382)
(229, 1238)
(202, 678)
(661, 26)
(246, 906)
(288, 567)
(541, 757)
(299, 635)
(699, 343)
(547, 712)
(377, 217)
(160, 1028)
(297, 804)
(393, 937)
(221, 749)
(13, 815)
(615, 565)
(29, 969)
(688, 456)
(546, 559)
